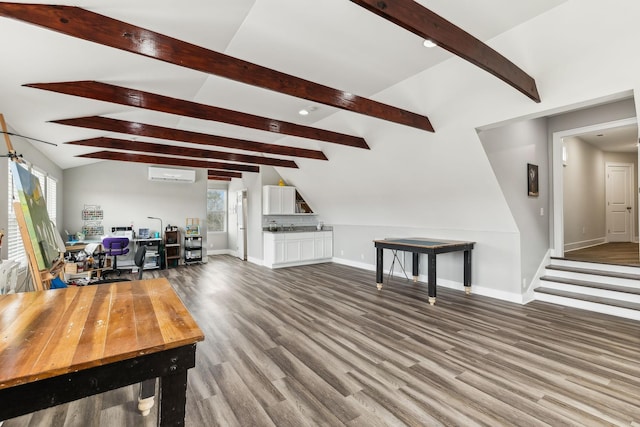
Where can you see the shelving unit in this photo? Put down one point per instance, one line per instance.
(172, 247)
(192, 249)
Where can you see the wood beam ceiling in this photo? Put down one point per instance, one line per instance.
(159, 160)
(147, 147)
(414, 17)
(226, 174)
(151, 101)
(90, 26)
(160, 132)
(218, 178)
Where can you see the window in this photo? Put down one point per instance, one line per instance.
(216, 210)
(51, 195)
(15, 246)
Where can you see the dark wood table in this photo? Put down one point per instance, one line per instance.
(431, 247)
(65, 344)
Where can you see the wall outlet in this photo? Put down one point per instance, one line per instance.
(361, 256)
(341, 252)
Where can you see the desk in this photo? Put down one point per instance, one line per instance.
(431, 247)
(65, 344)
(79, 246)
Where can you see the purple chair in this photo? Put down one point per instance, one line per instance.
(115, 246)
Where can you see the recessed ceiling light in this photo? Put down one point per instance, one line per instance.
(428, 43)
(308, 110)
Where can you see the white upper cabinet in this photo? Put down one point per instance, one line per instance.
(278, 200)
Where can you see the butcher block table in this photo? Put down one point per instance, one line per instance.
(65, 344)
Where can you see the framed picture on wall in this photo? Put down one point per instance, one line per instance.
(532, 180)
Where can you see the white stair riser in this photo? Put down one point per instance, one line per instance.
(594, 266)
(631, 283)
(603, 293)
(586, 305)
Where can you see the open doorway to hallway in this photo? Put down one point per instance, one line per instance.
(599, 170)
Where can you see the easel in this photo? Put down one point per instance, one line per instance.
(41, 278)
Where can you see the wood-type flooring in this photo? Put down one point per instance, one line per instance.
(623, 253)
(321, 346)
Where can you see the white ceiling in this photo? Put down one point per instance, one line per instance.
(332, 42)
(623, 139)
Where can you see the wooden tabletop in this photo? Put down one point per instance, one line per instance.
(53, 332)
(422, 242)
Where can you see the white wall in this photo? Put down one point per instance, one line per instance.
(584, 195)
(509, 149)
(127, 197)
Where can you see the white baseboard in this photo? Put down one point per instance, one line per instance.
(568, 247)
(220, 252)
(355, 264)
(475, 289)
(528, 295)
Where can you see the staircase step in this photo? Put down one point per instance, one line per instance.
(603, 263)
(595, 285)
(619, 268)
(628, 276)
(589, 298)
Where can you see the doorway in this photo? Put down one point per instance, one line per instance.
(584, 214)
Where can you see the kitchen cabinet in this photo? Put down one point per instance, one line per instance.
(287, 249)
(278, 200)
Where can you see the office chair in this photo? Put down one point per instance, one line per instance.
(138, 259)
(115, 246)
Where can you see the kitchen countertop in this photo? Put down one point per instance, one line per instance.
(297, 229)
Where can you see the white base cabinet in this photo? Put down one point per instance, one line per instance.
(290, 249)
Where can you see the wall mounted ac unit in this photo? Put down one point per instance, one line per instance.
(172, 175)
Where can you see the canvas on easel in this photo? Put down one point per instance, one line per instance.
(42, 243)
(42, 232)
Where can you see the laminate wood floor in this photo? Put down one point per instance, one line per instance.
(611, 253)
(320, 345)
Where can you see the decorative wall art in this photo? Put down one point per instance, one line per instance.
(532, 179)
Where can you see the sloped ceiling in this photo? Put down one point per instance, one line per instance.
(331, 42)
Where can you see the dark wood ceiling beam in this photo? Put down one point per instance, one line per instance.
(151, 101)
(159, 160)
(90, 26)
(152, 131)
(414, 17)
(227, 174)
(147, 147)
(218, 178)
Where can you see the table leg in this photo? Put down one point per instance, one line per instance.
(415, 264)
(173, 399)
(467, 271)
(146, 396)
(432, 278)
(379, 259)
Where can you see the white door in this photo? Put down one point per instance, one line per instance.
(619, 194)
(241, 209)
